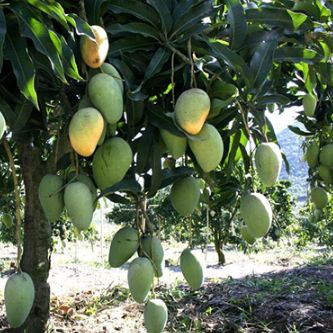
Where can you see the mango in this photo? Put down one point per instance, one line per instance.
(268, 160)
(7, 220)
(246, 235)
(325, 173)
(112, 71)
(207, 148)
(155, 315)
(192, 269)
(111, 162)
(312, 154)
(103, 135)
(319, 197)
(85, 130)
(185, 195)
(2, 125)
(79, 204)
(326, 155)
(191, 110)
(176, 145)
(124, 244)
(94, 52)
(153, 250)
(256, 211)
(51, 196)
(309, 105)
(106, 96)
(19, 298)
(140, 278)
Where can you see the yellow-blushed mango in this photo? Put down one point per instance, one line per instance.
(152, 249)
(309, 104)
(319, 197)
(19, 298)
(207, 148)
(2, 125)
(111, 162)
(105, 94)
(246, 235)
(123, 245)
(268, 161)
(185, 195)
(326, 174)
(85, 130)
(140, 277)
(192, 269)
(50, 195)
(94, 52)
(191, 110)
(312, 154)
(326, 155)
(155, 315)
(176, 145)
(257, 213)
(79, 204)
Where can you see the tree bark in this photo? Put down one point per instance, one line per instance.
(37, 238)
(219, 247)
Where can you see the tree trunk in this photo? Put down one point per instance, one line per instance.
(37, 238)
(219, 248)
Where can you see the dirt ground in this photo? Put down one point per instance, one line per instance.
(251, 293)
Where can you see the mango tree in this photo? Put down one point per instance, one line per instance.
(188, 80)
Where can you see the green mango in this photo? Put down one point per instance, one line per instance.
(185, 195)
(103, 135)
(207, 148)
(319, 197)
(257, 213)
(326, 155)
(268, 161)
(112, 71)
(124, 244)
(2, 125)
(140, 278)
(325, 173)
(191, 110)
(106, 96)
(192, 269)
(155, 315)
(7, 220)
(79, 204)
(309, 105)
(19, 298)
(152, 248)
(51, 196)
(312, 154)
(176, 145)
(246, 235)
(111, 162)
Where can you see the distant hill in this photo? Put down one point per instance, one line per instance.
(291, 145)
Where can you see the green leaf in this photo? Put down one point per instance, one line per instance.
(136, 8)
(273, 99)
(155, 162)
(233, 151)
(81, 26)
(130, 45)
(298, 131)
(161, 6)
(238, 25)
(51, 8)
(226, 55)
(157, 62)
(144, 144)
(140, 28)
(283, 18)
(3, 31)
(38, 32)
(118, 199)
(8, 112)
(169, 176)
(93, 10)
(127, 185)
(296, 54)
(23, 111)
(23, 67)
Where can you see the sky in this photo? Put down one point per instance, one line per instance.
(283, 120)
